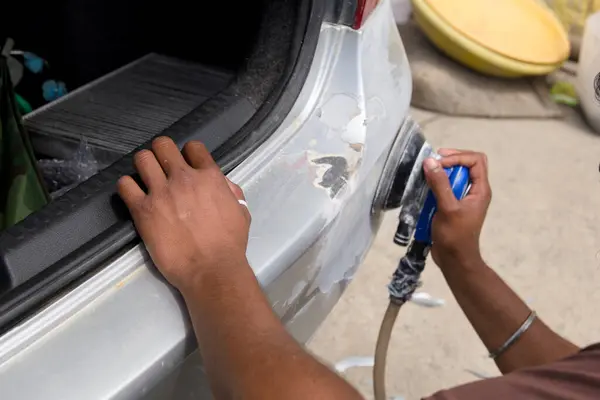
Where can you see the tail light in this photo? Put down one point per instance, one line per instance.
(363, 10)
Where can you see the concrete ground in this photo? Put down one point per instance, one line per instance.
(542, 235)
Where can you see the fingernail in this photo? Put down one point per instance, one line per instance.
(431, 164)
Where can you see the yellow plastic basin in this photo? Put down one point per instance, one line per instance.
(507, 38)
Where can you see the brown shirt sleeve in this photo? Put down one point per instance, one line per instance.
(574, 378)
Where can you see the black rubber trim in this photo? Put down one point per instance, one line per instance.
(98, 193)
(75, 266)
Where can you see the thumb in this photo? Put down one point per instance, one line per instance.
(440, 184)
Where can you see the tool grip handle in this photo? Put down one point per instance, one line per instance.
(459, 182)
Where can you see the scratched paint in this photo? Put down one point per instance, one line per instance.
(326, 163)
(353, 225)
(296, 292)
(338, 110)
(334, 174)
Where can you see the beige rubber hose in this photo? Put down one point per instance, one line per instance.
(381, 349)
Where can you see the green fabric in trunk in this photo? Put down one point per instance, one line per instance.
(22, 190)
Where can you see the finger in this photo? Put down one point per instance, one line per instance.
(168, 155)
(477, 164)
(440, 184)
(149, 169)
(449, 152)
(239, 195)
(198, 156)
(131, 193)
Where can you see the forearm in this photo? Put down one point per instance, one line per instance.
(246, 350)
(496, 312)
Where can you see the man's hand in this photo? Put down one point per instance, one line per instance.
(196, 233)
(457, 224)
(190, 218)
(493, 308)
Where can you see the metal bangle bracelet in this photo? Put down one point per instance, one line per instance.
(511, 340)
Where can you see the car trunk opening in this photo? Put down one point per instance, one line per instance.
(133, 71)
(130, 69)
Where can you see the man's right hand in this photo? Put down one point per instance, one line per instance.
(190, 220)
(491, 306)
(457, 224)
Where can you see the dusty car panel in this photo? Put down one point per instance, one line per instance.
(310, 189)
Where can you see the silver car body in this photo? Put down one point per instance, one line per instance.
(124, 333)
